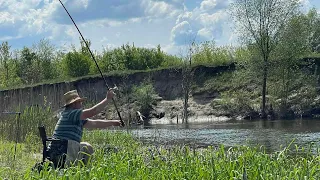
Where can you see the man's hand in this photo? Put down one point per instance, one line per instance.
(117, 123)
(111, 93)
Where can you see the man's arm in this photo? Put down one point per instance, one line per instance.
(88, 113)
(100, 124)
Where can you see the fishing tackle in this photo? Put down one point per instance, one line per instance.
(115, 105)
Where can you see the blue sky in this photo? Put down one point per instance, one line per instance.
(111, 23)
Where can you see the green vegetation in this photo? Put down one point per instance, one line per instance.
(135, 160)
(270, 71)
(44, 63)
(144, 94)
(13, 128)
(276, 32)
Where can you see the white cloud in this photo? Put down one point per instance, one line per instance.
(117, 10)
(6, 38)
(205, 33)
(182, 33)
(159, 8)
(184, 17)
(70, 31)
(208, 5)
(113, 22)
(174, 49)
(207, 22)
(6, 18)
(80, 4)
(26, 17)
(212, 19)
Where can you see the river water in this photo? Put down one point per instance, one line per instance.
(272, 135)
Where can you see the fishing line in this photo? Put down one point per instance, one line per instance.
(115, 105)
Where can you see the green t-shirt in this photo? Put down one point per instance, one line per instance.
(69, 126)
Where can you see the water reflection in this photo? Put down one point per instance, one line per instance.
(273, 135)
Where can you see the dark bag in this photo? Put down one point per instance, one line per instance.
(57, 152)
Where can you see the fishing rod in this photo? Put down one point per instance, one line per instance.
(115, 105)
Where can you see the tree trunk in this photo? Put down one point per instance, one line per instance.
(7, 73)
(185, 104)
(186, 83)
(264, 90)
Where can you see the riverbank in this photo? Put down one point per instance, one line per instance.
(135, 160)
(225, 91)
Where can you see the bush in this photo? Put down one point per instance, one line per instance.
(239, 102)
(145, 97)
(76, 64)
(209, 53)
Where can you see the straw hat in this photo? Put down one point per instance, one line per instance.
(71, 97)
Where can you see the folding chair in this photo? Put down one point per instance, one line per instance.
(57, 151)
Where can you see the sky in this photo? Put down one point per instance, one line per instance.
(110, 23)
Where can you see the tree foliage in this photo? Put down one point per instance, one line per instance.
(261, 23)
(286, 75)
(208, 53)
(144, 94)
(313, 19)
(76, 64)
(45, 57)
(28, 67)
(4, 60)
(43, 62)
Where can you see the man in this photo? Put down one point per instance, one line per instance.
(70, 127)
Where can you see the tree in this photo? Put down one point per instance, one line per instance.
(111, 60)
(84, 50)
(45, 53)
(144, 94)
(159, 56)
(285, 71)
(4, 58)
(187, 77)
(26, 70)
(260, 23)
(314, 36)
(76, 64)
(208, 53)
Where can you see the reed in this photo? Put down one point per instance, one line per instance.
(15, 128)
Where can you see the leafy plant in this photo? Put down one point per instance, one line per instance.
(144, 94)
(76, 64)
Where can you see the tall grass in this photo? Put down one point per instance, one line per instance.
(15, 128)
(135, 160)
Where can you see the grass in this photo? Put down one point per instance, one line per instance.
(24, 128)
(135, 160)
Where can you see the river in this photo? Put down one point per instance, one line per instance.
(273, 135)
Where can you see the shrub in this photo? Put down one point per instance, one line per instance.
(145, 97)
(76, 64)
